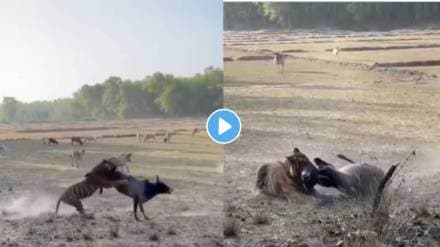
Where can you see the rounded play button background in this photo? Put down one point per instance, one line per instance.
(223, 126)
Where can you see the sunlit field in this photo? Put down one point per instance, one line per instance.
(325, 105)
(34, 175)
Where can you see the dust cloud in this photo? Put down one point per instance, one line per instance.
(29, 205)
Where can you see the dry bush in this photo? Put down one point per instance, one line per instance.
(171, 231)
(260, 219)
(230, 228)
(154, 237)
(380, 225)
(114, 231)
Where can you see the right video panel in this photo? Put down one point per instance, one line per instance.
(340, 108)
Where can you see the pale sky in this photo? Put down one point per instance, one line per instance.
(49, 49)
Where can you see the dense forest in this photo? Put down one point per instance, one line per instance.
(338, 15)
(156, 95)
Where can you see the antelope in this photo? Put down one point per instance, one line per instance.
(279, 60)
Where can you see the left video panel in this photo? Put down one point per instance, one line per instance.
(102, 123)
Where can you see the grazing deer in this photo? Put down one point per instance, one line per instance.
(76, 139)
(336, 51)
(52, 141)
(279, 61)
(195, 131)
(148, 137)
(139, 137)
(167, 137)
(90, 139)
(77, 156)
(373, 65)
(2, 150)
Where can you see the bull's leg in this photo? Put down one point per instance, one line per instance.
(141, 206)
(321, 163)
(135, 204)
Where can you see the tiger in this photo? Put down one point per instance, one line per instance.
(294, 179)
(93, 181)
(112, 164)
(119, 163)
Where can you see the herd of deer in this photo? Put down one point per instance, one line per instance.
(77, 155)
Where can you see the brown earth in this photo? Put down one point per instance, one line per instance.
(33, 176)
(377, 116)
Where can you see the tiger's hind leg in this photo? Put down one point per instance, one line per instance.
(77, 204)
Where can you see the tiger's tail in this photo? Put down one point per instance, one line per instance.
(58, 205)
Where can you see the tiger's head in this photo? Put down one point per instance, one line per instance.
(302, 171)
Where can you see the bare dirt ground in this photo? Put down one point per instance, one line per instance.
(33, 176)
(374, 115)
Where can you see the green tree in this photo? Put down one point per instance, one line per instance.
(9, 109)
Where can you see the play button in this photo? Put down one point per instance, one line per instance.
(223, 126)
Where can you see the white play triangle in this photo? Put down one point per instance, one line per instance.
(223, 126)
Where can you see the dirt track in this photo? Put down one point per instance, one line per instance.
(326, 109)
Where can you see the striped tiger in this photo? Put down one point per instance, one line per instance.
(115, 163)
(112, 164)
(87, 187)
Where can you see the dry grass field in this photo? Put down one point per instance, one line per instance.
(34, 175)
(325, 105)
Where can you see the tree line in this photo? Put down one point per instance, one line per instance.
(339, 15)
(154, 96)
